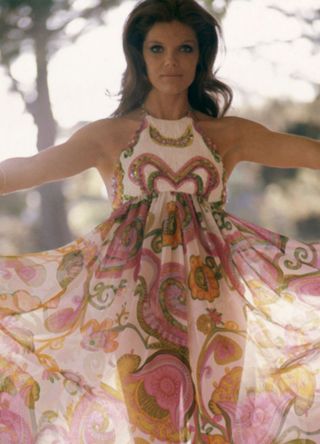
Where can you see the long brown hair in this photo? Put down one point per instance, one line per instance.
(206, 92)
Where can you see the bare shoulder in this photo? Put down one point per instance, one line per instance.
(225, 122)
(240, 126)
(222, 131)
(241, 132)
(109, 133)
(109, 127)
(118, 131)
(230, 134)
(113, 134)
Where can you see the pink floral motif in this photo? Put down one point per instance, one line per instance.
(98, 336)
(99, 418)
(226, 350)
(165, 387)
(63, 319)
(27, 273)
(257, 418)
(168, 380)
(125, 246)
(307, 289)
(20, 301)
(74, 382)
(13, 428)
(5, 273)
(50, 375)
(27, 269)
(215, 316)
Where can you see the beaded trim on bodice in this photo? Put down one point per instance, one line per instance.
(169, 155)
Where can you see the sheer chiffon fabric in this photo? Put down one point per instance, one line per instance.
(173, 321)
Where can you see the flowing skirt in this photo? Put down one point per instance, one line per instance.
(171, 322)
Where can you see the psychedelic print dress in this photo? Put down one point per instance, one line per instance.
(171, 322)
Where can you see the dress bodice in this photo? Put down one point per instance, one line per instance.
(169, 156)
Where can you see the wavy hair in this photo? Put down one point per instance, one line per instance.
(206, 94)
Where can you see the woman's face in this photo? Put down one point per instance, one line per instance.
(171, 55)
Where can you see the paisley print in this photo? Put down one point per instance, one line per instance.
(202, 281)
(172, 321)
(159, 395)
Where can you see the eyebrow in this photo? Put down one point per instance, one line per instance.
(184, 41)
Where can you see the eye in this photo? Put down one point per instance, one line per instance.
(156, 48)
(186, 48)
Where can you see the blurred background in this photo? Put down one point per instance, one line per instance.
(60, 67)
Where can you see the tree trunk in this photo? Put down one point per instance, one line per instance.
(53, 228)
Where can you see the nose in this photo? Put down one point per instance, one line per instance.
(170, 59)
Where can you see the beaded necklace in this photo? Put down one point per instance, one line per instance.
(183, 141)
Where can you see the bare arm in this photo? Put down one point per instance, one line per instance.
(256, 143)
(82, 151)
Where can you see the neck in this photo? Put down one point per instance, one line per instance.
(166, 107)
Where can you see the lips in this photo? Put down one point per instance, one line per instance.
(171, 75)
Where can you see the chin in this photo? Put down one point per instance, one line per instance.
(172, 89)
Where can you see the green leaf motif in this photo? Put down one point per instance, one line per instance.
(70, 267)
(300, 441)
(31, 393)
(23, 337)
(7, 386)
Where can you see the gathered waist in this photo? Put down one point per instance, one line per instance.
(218, 205)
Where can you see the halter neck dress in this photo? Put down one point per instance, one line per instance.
(172, 321)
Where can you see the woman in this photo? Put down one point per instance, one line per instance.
(172, 321)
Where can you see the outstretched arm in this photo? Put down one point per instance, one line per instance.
(256, 143)
(82, 151)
